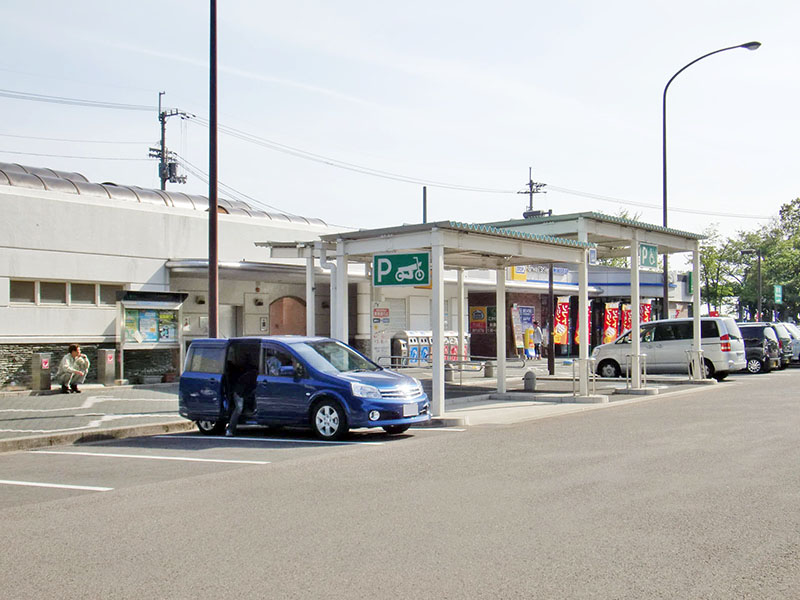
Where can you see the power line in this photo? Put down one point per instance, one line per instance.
(71, 156)
(50, 139)
(299, 153)
(72, 101)
(203, 176)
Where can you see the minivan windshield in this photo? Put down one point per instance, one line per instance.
(330, 356)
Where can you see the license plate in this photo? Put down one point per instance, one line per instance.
(410, 410)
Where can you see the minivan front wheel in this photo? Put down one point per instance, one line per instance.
(328, 420)
(608, 368)
(208, 427)
(755, 366)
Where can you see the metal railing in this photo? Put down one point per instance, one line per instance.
(592, 374)
(642, 369)
(699, 373)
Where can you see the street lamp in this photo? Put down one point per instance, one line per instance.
(747, 46)
(747, 251)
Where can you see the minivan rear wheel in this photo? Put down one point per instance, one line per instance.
(328, 420)
(755, 366)
(609, 368)
(209, 427)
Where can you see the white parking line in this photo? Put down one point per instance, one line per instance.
(180, 458)
(437, 429)
(88, 488)
(252, 439)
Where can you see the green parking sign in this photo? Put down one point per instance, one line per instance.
(401, 269)
(648, 256)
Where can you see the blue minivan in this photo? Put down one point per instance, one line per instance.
(296, 381)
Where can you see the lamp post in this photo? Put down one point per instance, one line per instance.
(747, 251)
(747, 46)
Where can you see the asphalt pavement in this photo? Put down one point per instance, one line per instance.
(688, 494)
(30, 419)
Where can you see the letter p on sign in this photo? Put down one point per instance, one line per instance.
(384, 268)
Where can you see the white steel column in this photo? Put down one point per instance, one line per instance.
(696, 340)
(311, 301)
(636, 348)
(583, 324)
(342, 309)
(437, 349)
(501, 330)
(461, 300)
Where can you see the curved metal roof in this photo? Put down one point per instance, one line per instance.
(38, 178)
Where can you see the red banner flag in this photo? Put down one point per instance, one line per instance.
(611, 323)
(561, 325)
(577, 327)
(645, 312)
(626, 317)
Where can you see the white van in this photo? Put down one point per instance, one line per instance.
(666, 341)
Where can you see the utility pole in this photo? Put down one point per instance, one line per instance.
(534, 188)
(167, 165)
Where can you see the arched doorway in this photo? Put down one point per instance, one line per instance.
(287, 316)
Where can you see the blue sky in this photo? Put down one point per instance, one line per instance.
(468, 93)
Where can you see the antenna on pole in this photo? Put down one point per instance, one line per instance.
(534, 188)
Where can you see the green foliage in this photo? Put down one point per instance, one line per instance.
(728, 274)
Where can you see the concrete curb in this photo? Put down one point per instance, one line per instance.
(95, 435)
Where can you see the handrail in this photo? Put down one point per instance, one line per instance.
(642, 369)
(592, 374)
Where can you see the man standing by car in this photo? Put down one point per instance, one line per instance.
(72, 370)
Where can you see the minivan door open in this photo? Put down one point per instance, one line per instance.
(282, 398)
(201, 382)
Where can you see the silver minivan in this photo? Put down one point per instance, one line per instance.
(665, 342)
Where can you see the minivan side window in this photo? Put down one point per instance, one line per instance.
(274, 359)
(709, 329)
(207, 360)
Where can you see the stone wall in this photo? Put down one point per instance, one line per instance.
(16, 362)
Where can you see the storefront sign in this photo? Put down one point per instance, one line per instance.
(477, 319)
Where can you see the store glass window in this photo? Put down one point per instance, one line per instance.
(23, 291)
(51, 292)
(81, 293)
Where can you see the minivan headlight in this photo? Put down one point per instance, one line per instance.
(361, 390)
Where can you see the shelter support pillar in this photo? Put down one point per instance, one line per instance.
(501, 330)
(636, 347)
(437, 289)
(583, 324)
(460, 314)
(311, 301)
(342, 309)
(697, 359)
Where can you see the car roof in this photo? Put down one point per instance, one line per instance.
(285, 339)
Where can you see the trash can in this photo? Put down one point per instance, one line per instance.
(425, 348)
(400, 349)
(106, 366)
(40, 371)
(413, 349)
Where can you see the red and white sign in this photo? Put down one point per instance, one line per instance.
(45, 363)
(645, 312)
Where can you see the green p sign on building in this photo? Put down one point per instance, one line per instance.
(401, 269)
(648, 256)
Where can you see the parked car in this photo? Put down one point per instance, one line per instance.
(298, 381)
(794, 331)
(761, 347)
(785, 340)
(666, 341)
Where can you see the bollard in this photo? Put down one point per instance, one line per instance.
(106, 366)
(40, 371)
(529, 380)
(490, 368)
